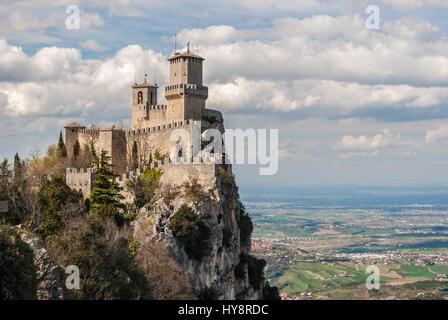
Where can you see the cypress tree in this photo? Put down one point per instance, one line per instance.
(18, 168)
(62, 150)
(76, 148)
(106, 192)
(93, 157)
(134, 161)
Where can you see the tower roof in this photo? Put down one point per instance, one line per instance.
(184, 54)
(145, 85)
(74, 125)
(113, 127)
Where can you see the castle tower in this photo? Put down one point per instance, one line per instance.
(113, 140)
(72, 133)
(185, 94)
(144, 95)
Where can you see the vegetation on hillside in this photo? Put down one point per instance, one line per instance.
(191, 232)
(94, 234)
(143, 187)
(17, 268)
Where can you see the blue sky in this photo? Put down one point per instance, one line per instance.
(353, 106)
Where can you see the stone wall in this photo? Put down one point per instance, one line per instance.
(174, 174)
(150, 139)
(80, 179)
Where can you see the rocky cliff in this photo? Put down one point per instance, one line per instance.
(50, 276)
(223, 271)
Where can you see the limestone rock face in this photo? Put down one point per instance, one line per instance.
(220, 211)
(50, 277)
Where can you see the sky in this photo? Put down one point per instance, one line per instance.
(352, 105)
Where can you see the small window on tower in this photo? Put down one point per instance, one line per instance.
(140, 97)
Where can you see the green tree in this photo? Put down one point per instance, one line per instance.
(105, 192)
(134, 156)
(246, 226)
(144, 186)
(157, 155)
(101, 251)
(5, 173)
(19, 168)
(62, 150)
(17, 269)
(76, 149)
(93, 155)
(7, 191)
(53, 196)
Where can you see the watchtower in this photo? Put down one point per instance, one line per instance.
(144, 95)
(72, 133)
(113, 141)
(185, 94)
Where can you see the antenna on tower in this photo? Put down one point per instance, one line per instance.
(145, 77)
(188, 46)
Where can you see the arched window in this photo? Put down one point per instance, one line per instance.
(140, 97)
(151, 98)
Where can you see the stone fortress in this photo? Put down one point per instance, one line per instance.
(222, 271)
(152, 126)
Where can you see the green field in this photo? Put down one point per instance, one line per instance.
(442, 269)
(415, 272)
(317, 277)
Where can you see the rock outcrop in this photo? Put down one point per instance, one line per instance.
(50, 277)
(213, 275)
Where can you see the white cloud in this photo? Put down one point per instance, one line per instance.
(379, 141)
(437, 135)
(93, 45)
(349, 155)
(416, 4)
(56, 83)
(19, 19)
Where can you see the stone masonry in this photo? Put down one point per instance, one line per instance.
(152, 126)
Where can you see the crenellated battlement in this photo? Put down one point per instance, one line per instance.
(153, 107)
(92, 132)
(186, 89)
(173, 173)
(173, 125)
(185, 86)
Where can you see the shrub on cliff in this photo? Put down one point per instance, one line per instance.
(193, 190)
(191, 232)
(255, 271)
(246, 226)
(226, 175)
(17, 268)
(270, 292)
(144, 186)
